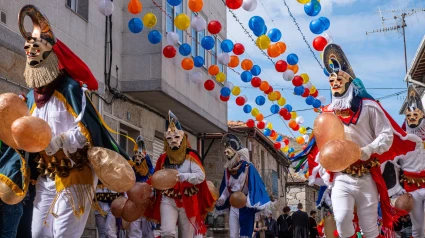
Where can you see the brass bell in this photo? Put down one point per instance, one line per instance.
(353, 173)
(409, 181)
(54, 160)
(51, 175)
(63, 164)
(41, 161)
(46, 172)
(423, 180)
(186, 192)
(348, 170)
(377, 163)
(50, 166)
(69, 164)
(373, 163)
(418, 184)
(40, 167)
(359, 173)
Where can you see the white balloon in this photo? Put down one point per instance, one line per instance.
(327, 37)
(198, 23)
(306, 138)
(229, 85)
(299, 120)
(288, 75)
(322, 99)
(246, 98)
(249, 5)
(223, 58)
(172, 38)
(106, 7)
(196, 77)
(308, 85)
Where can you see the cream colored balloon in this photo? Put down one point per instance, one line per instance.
(31, 134)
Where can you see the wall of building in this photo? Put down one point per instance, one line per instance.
(304, 194)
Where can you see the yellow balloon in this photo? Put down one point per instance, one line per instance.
(255, 112)
(293, 115)
(281, 101)
(305, 78)
(304, 1)
(220, 77)
(272, 96)
(149, 20)
(263, 42)
(269, 126)
(302, 130)
(321, 55)
(236, 90)
(313, 89)
(285, 149)
(182, 21)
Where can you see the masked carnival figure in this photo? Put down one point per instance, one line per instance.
(58, 80)
(107, 225)
(241, 176)
(189, 201)
(143, 169)
(368, 125)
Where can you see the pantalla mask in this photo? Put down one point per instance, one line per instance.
(175, 140)
(232, 145)
(139, 151)
(415, 110)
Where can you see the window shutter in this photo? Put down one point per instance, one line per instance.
(158, 149)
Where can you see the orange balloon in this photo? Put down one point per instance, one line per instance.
(282, 47)
(238, 200)
(264, 86)
(187, 64)
(259, 117)
(337, 155)
(134, 6)
(234, 61)
(278, 95)
(164, 179)
(292, 124)
(273, 51)
(294, 68)
(300, 140)
(327, 127)
(195, 5)
(247, 64)
(213, 70)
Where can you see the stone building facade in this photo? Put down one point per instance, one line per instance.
(298, 191)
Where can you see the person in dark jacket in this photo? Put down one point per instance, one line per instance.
(313, 225)
(300, 222)
(271, 227)
(284, 224)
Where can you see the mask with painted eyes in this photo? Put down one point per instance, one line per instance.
(229, 152)
(414, 117)
(37, 51)
(415, 110)
(174, 138)
(339, 83)
(138, 158)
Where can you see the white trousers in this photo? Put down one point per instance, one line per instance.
(141, 228)
(362, 191)
(418, 212)
(234, 225)
(172, 215)
(106, 225)
(66, 224)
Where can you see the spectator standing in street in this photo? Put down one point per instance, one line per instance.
(284, 224)
(313, 225)
(300, 222)
(9, 220)
(271, 227)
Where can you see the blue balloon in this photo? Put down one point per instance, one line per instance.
(267, 132)
(225, 91)
(325, 22)
(288, 107)
(227, 46)
(262, 32)
(256, 70)
(325, 72)
(174, 2)
(317, 26)
(256, 24)
(317, 103)
(292, 59)
(246, 76)
(185, 49)
(291, 150)
(154, 37)
(309, 100)
(299, 90)
(198, 61)
(207, 42)
(279, 138)
(135, 25)
(274, 109)
(312, 8)
(260, 100)
(274, 35)
(247, 108)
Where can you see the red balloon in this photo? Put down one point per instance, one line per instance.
(297, 81)
(261, 125)
(319, 43)
(273, 133)
(214, 27)
(277, 145)
(269, 90)
(250, 123)
(224, 99)
(240, 101)
(286, 141)
(234, 4)
(283, 111)
(256, 82)
(169, 51)
(209, 85)
(306, 93)
(287, 116)
(315, 94)
(304, 147)
(296, 128)
(238, 49)
(281, 66)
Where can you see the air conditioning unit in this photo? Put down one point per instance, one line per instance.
(3, 17)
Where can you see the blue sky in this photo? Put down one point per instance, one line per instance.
(377, 59)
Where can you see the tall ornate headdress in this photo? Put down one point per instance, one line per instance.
(140, 146)
(232, 141)
(41, 25)
(172, 122)
(333, 54)
(413, 99)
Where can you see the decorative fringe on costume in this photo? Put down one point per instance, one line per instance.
(419, 130)
(44, 73)
(344, 102)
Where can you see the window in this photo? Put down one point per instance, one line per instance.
(219, 50)
(275, 184)
(81, 7)
(3, 17)
(173, 12)
(214, 53)
(158, 149)
(197, 49)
